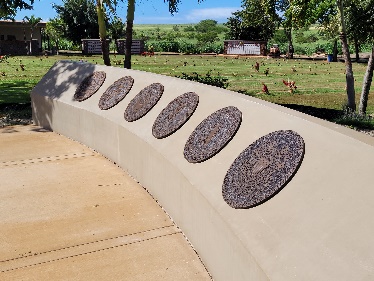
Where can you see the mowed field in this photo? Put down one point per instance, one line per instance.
(319, 84)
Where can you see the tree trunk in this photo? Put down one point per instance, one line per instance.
(350, 81)
(290, 44)
(57, 47)
(129, 25)
(102, 32)
(31, 41)
(357, 49)
(105, 51)
(368, 78)
(335, 51)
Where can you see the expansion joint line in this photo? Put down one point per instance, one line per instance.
(135, 240)
(84, 244)
(45, 159)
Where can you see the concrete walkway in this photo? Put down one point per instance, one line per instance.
(67, 213)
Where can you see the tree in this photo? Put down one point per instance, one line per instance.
(253, 22)
(330, 29)
(367, 18)
(117, 29)
(8, 8)
(368, 78)
(359, 21)
(102, 30)
(206, 26)
(32, 22)
(308, 11)
(55, 30)
(350, 81)
(207, 37)
(173, 8)
(80, 19)
(129, 28)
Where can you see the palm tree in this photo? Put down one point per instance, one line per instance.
(33, 22)
(350, 81)
(368, 78)
(173, 7)
(129, 25)
(102, 29)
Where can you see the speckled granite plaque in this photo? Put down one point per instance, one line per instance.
(116, 92)
(212, 134)
(263, 169)
(174, 115)
(143, 102)
(89, 85)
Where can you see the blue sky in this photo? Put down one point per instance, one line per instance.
(153, 11)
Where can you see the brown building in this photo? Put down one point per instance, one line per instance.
(15, 38)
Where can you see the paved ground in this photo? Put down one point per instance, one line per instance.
(67, 213)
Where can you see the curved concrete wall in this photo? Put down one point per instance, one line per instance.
(319, 227)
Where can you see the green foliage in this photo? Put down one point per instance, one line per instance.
(79, 18)
(253, 22)
(182, 46)
(208, 79)
(175, 28)
(55, 30)
(279, 37)
(355, 120)
(189, 28)
(302, 38)
(207, 37)
(206, 26)
(8, 8)
(117, 28)
(65, 44)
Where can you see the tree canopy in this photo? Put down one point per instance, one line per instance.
(8, 8)
(253, 22)
(79, 18)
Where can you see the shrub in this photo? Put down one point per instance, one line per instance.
(355, 120)
(189, 28)
(208, 79)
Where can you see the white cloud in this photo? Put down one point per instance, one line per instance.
(219, 14)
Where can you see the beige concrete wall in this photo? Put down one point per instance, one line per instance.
(319, 227)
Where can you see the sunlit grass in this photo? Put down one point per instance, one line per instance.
(319, 83)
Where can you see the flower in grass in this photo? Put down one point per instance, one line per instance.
(291, 85)
(265, 88)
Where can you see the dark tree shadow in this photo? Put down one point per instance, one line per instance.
(322, 113)
(15, 92)
(50, 89)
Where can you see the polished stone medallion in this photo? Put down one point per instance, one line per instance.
(143, 102)
(89, 85)
(116, 92)
(212, 134)
(263, 169)
(174, 115)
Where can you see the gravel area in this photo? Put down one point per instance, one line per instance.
(15, 114)
(5, 121)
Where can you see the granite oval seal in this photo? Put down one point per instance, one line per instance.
(116, 92)
(143, 102)
(212, 134)
(263, 169)
(175, 114)
(89, 85)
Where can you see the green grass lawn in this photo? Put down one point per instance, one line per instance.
(319, 84)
